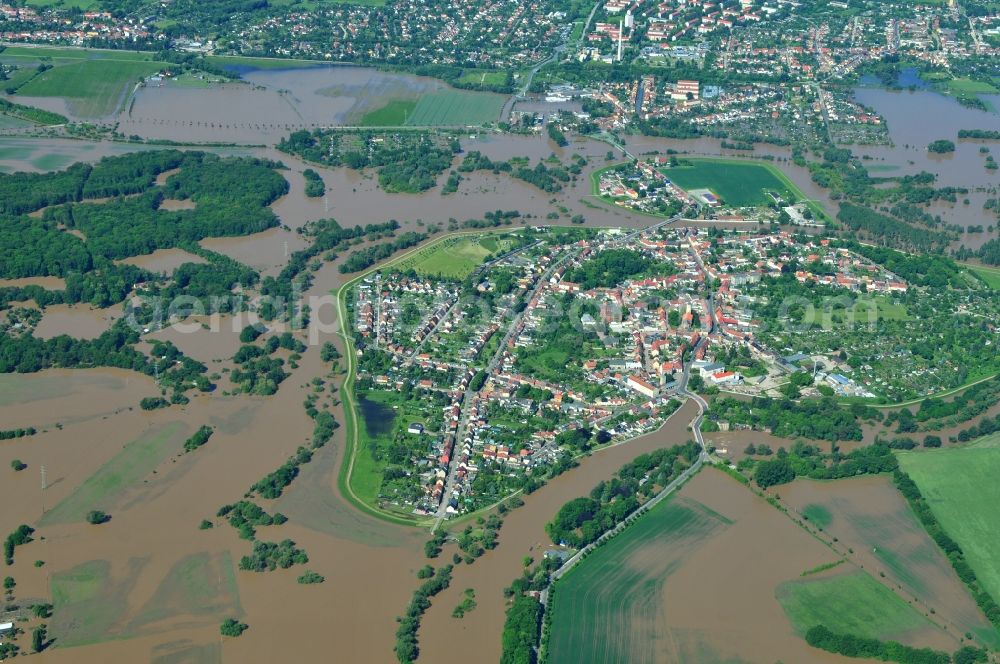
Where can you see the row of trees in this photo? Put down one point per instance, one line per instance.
(886, 229)
(950, 547)
(406, 647)
(807, 461)
(849, 645)
(364, 258)
(521, 631)
(583, 520)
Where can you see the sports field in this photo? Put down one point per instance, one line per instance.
(93, 88)
(103, 489)
(849, 603)
(605, 608)
(482, 77)
(456, 107)
(454, 258)
(743, 184)
(961, 487)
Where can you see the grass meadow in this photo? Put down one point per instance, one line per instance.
(989, 275)
(453, 258)
(456, 107)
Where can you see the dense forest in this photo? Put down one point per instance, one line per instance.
(230, 195)
(821, 419)
(92, 215)
(885, 229)
(609, 268)
(406, 161)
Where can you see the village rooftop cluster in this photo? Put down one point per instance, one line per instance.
(487, 385)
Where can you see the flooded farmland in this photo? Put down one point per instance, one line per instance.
(911, 132)
(867, 520)
(76, 320)
(268, 104)
(444, 639)
(149, 574)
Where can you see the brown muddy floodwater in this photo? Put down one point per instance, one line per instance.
(145, 613)
(164, 261)
(915, 118)
(144, 610)
(268, 104)
(76, 320)
(267, 251)
(725, 595)
(48, 283)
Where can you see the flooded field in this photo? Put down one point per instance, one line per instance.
(150, 586)
(53, 154)
(164, 261)
(713, 597)
(444, 639)
(267, 251)
(729, 590)
(48, 283)
(911, 132)
(867, 520)
(146, 598)
(268, 104)
(76, 320)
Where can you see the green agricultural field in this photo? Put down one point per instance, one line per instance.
(393, 114)
(453, 258)
(989, 275)
(9, 122)
(738, 183)
(103, 489)
(456, 107)
(312, 5)
(82, 5)
(260, 63)
(601, 608)
(961, 488)
(967, 86)
(849, 603)
(92, 88)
